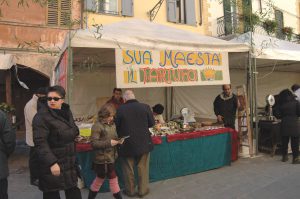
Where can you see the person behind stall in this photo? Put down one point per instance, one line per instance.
(36, 102)
(116, 99)
(134, 119)
(289, 111)
(104, 141)
(54, 133)
(158, 110)
(296, 89)
(225, 106)
(7, 146)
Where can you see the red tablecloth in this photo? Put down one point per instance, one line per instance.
(197, 134)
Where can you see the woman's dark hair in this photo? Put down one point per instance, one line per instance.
(105, 111)
(58, 89)
(285, 96)
(158, 109)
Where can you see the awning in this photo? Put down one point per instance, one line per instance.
(266, 47)
(133, 34)
(6, 61)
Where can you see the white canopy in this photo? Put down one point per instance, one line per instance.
(266, 47)
(6, 61)
(144, 34)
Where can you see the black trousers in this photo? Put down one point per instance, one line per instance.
(3, 188)
(33, 164)
(73, 193)
(294, 145)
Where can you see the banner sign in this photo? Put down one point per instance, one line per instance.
(147, 68)
(61, 71)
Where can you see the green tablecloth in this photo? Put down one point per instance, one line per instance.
(173, 159)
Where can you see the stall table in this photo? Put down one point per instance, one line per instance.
(176, 155)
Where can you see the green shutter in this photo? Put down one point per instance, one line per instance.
(190, 12)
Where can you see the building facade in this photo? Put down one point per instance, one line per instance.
(190, 15)
(32, 33)
(230, 17)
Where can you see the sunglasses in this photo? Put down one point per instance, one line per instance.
(53, 98)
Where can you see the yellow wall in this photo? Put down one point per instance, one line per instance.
(142, 7)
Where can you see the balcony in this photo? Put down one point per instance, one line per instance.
(234, 24)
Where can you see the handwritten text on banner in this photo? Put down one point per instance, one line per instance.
(147, 68)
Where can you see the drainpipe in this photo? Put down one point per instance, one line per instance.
(260, 6)
(201, 7)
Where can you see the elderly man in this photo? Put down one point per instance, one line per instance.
(134, 119)
(225, 106)
(7, 146)
(38, 99)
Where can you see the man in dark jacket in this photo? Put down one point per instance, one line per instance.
(134, 119)
(7, 146)
(225, 106)
(116, 99)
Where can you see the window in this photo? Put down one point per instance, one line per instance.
(114, 7)
(108, 6)
(280, 24)
(181, 11)
(59, 12)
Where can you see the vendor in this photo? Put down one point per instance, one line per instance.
(158, 110)
(116, 100)
(225, 106)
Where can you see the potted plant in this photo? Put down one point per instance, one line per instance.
(6, 108)
(251, 20)
(288, 32)
(270, 26)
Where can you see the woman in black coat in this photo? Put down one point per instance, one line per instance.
(54, 132)
(289, 110)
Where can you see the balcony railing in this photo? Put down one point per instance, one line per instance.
(233, 24)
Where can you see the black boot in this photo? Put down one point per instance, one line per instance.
(296, 161)
(92, 194)
(285, 158)
(117, 195)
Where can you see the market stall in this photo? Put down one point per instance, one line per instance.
(150, 63)
(176, 155)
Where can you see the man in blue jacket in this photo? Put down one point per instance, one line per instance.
(7, 146)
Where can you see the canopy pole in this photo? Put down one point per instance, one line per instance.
(250, 96)
(255, 106)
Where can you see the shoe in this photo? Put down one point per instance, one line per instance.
(131, 195)
(117, 195)
(296, 161)
(144, 194)
(34, 182)
(285, 158)
(92, 194)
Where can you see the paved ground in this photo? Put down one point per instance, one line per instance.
(260, 178)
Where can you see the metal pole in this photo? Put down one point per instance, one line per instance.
(250, 82)
(255, 106)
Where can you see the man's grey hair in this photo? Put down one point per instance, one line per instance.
(128, 95)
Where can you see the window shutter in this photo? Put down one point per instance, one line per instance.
(171, 6)
(280, 24)
(127, 8)
(65, 13)
(90, 5)
(52, 18)
(190, 12)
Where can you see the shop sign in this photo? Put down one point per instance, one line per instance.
(148, 68)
